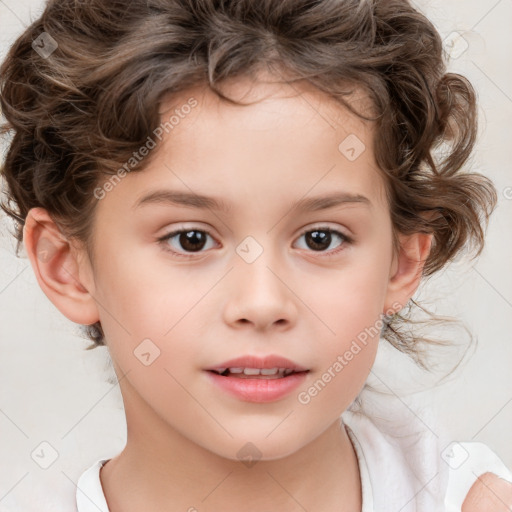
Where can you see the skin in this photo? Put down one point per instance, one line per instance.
(489, 494)
(183, 432)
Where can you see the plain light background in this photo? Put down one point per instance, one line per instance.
(53, 391)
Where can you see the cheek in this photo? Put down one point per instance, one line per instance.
(151, 309)
(345, 352)
(145, 298)
(350, 298)
(349, 306)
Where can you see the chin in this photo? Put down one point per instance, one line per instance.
(250, 450)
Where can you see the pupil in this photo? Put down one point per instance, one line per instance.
(189, 240)
(320, 239)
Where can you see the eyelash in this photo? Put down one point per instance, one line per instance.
(345, 240)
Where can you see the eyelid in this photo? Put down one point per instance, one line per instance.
(325, 226)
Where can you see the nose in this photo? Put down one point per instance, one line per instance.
(260, 296)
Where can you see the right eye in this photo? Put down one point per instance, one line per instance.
(192, 240)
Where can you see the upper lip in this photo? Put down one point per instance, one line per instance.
(252, 361)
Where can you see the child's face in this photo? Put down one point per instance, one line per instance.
(226, 299)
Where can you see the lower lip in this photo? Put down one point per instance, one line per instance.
(258, 390)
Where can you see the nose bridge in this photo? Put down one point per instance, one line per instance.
(257, 263)
(260, 294)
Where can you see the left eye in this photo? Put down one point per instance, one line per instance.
(320, 239)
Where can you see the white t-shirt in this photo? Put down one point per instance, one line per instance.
(408, 469)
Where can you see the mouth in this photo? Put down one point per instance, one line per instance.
(256, 373)
(264, 380)
(258, 367)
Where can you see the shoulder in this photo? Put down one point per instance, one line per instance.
(489, 494)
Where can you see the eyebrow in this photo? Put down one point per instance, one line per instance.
(189, 199)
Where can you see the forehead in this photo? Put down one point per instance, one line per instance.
(265, 102)
(287, 140)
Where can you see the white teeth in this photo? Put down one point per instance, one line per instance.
(269, 371)
(251, 371)
(257, 371)
(261, 371)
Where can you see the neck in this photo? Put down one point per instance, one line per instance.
(161, 469)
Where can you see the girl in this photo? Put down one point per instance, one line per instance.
(292, 142)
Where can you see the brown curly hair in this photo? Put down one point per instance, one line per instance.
(76, 114)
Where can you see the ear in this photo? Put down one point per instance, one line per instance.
(56, 267)
(406, 270)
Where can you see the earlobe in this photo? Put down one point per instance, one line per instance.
(406, 271)
(56, 268)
